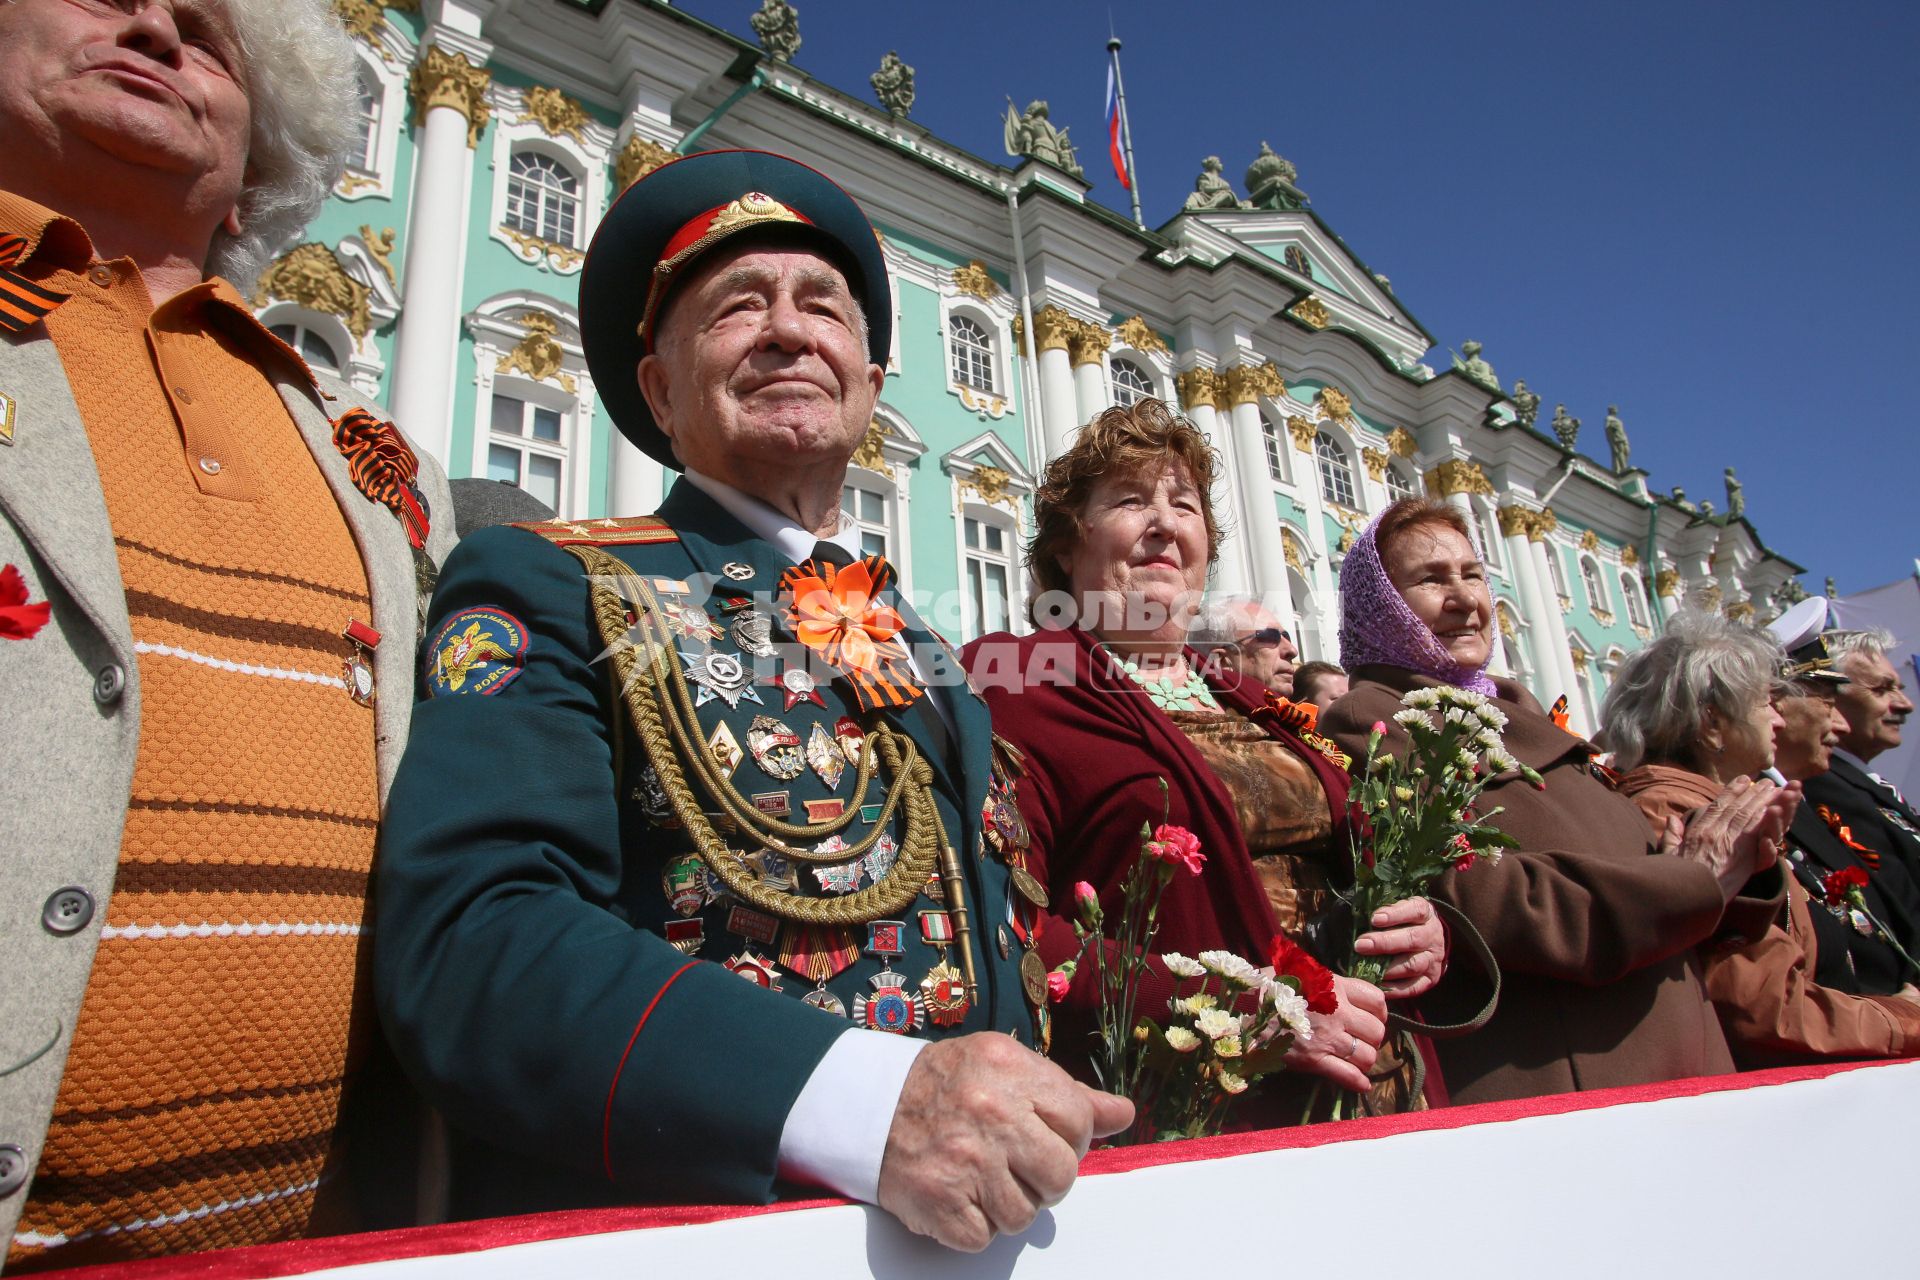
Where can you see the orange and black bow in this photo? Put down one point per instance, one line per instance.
(837, 613)
(1301, 717)
(1845, 834)
(1558, 713)
(383, 467)
(23, 303)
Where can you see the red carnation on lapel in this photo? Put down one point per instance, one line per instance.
(18, 619)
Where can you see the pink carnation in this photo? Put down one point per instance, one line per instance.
(1087, 901)
(1379, 729)
(1057, 984)
(1177, 847)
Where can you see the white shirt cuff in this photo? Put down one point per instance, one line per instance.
(836, 1134)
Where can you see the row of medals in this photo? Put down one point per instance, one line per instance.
(818, 952)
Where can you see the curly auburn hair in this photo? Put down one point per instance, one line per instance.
(1120, 441)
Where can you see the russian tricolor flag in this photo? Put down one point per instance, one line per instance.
(1114, 152)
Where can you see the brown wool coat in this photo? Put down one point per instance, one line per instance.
(1594, 931)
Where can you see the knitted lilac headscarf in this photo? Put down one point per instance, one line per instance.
(1377, 626)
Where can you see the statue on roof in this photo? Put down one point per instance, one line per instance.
(1617, 440)
(1680, 499)
(1030, 133)
(1476, 370)
(1706, 509)
(1270, 180)
(1833, 592)
(893, 84)
(1790, 593)
(1211, 191)
(1565, 429)
(1526, 405)
(777, 23)
(1736, 495)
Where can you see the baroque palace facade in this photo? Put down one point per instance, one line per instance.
(441, 276)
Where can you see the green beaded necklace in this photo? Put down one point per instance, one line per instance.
(1191, 694)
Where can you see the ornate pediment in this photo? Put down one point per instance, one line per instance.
(311, 276)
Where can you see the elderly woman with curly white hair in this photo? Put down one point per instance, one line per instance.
(1701, 706)
(210, 558)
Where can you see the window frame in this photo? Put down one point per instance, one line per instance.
(977, 515)
(531, 396)
(985, 354)
(564, 207)
(1338, 458)
(1148, 388)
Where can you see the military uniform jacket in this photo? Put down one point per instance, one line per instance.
(1891, 892)
(1879, 820)
(71, 699)
(531, 876)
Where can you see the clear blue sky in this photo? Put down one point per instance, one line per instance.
(1703, 212)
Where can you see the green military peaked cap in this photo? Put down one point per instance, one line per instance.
(665, 223)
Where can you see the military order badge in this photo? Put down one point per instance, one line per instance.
(476, 651)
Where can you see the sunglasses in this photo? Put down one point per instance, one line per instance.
(1267, 637)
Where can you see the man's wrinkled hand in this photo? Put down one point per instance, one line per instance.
(986, 1135)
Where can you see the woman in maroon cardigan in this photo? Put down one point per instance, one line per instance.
(1106, 703)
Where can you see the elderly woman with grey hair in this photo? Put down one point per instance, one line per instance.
(1687, 715)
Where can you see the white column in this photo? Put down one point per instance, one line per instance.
(1090, 388)
(1556, 633)
(1533, 607)
(1314, 515)
(1196, 387)
(1056, 392)
(635, 482)
(452, 91)
(1257, 515)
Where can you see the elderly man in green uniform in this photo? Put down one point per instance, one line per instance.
(702, 872)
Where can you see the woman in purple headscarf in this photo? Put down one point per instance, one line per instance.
(1594, 927)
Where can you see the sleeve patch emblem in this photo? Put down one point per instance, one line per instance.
(477, 650)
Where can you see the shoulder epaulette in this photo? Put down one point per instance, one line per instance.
(632, 531)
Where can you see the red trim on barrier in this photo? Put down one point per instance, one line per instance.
(302, 1256)
(606, 1120)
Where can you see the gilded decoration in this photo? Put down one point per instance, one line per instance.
(351, 183)
(1303, 431)
(981, 403)
(640, 157)
(992, 486)
(1376, 463)
(443, 79)
(872, 453)
(1544, 523)
(750, 209)
(974, 279)
(1246, 383)
(555, 112)
(1508, 629)
(1221, 404)
(1335, 403)
(1311, 312)
(1401, 441)
(380, 249)
(1603, 616)
(363, 19)
(1087, 343)
(1135, 332)
(312, 276)
(1666, 583)
(1579, 657)
(537, 355)
(1457, 475)
(1514, 521)
(1290, 545)
(533, 248)
(1629, 555)
(1708, 597)
(1052, 327)
(1740, 611)
(1195, 387)
(1589, 541)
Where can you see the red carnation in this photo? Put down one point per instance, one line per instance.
(1289, 959)
(1843, 884)
(1177, 847)
(18, 619)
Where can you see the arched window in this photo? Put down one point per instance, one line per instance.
(1636, 602)
(1596, 587)
(1336, 473)
(1275, 441)
(971, 352)
(1130, 383)
(313, 348)
(543, 197)
(1398, 485)
(1558, 572)
(1483, 519)
(867, 506)
(367, 155)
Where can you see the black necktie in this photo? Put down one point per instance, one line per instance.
(937, 742)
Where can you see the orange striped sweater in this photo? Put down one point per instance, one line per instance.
(200, 1100)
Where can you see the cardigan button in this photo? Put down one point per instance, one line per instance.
(67, 910)
(109, 683)
(13, 1169)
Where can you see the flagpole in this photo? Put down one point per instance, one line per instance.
(1126, 132)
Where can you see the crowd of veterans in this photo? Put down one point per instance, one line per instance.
(380, 852)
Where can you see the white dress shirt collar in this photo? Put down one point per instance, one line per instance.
(787, 537)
